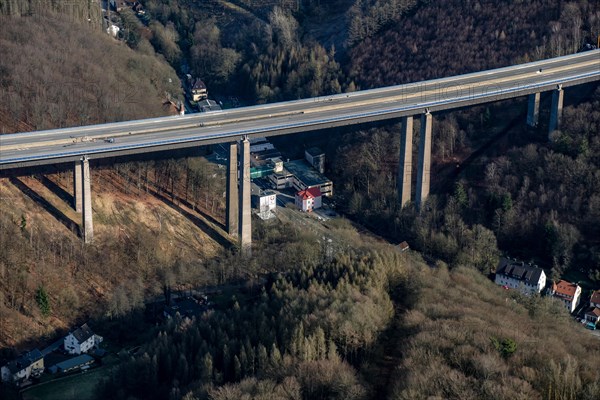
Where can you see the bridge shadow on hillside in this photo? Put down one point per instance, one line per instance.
(210, 231)
(46, 205)
(205, 215)
(57, 190)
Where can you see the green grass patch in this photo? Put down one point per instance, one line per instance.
(81, 386)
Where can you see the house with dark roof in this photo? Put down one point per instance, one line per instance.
(567, 292)
(79, 362)
(198, 90)
(527, 278)
(18, 371)
(81, 340)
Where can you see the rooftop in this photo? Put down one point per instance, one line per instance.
(198, 84)
(74, 362)
(309, 193)
(594, 311)
(83, 333)
(564, 288)
(304, 172)
(314, 151)
(24, 361)
(519, 270)
(208, 105)
(595, 297)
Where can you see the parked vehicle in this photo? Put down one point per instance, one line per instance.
(591, 325)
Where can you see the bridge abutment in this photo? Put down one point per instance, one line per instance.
(245, 216)
(232, 190)
(424, 167)
(86, 191)
(533, 109)
(405, 164)
(556, 110)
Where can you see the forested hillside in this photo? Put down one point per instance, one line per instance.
(531, 198)
(467, 338)
(88, 12)
(456, 36)
(56, 73)
(313, 331)
(148, 234)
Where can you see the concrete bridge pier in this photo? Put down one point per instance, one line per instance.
(424, 167)
(77, 186)
(86, 191)
(232, 194)
(556, 110)
(245, 217)
(533, 109)
(405, 164)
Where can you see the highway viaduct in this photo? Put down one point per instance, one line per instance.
(234, 127)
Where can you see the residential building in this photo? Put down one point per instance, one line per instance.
(592, 315)
(403, 246)
(265, 201)
(198, 89)
(595, 299)
(30, 364)
(80, 362)
(567, 292)
(81, 340)
(527, 278)
(308, 199)
(316, 157)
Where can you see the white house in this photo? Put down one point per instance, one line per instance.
(81, 340)
(308, 199)
(265, 202)
(528, 279)
(19, 370)
(567, 292)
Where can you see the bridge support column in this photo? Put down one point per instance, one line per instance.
(245, 222)
(232, 191)
(77, 186)
(423, 170)
(556, 110)
(405, 164)
(533, 109)
(86, 191)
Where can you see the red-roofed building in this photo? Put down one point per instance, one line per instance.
(567, 292)
(308, 199)
(595, 299)
(593, 315)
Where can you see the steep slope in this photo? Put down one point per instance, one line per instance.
(56, 73)
(142, 240)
